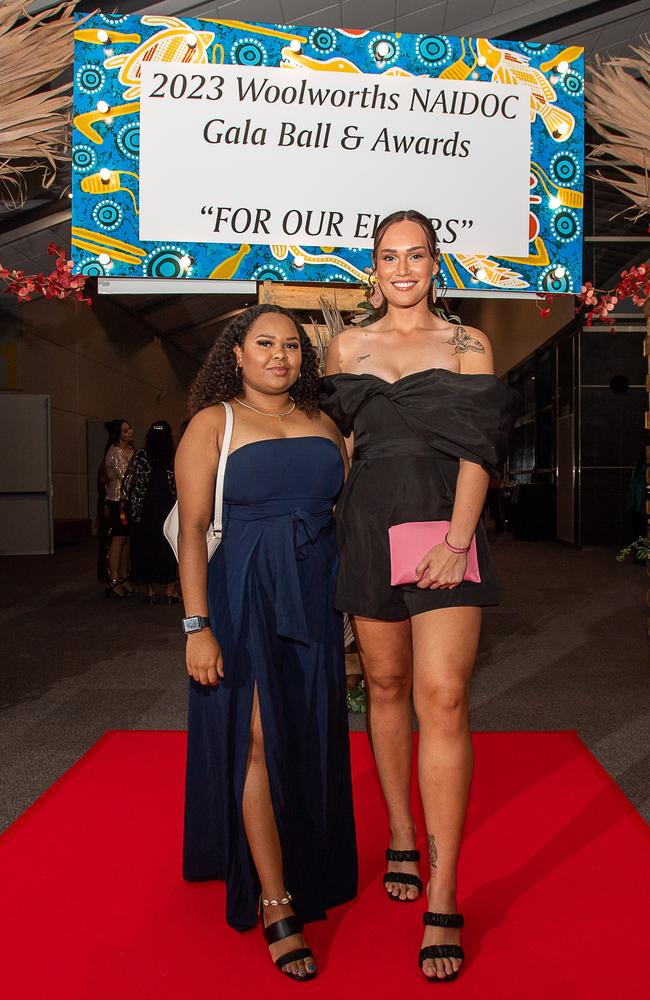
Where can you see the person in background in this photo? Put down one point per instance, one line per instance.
(119, 452)
(150, 492)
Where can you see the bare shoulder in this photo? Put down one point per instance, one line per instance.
(473, 349)
(203, 434)
(341, 349)
(468, 338)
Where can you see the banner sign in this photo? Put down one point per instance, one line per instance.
(217, 149)
(275, 159)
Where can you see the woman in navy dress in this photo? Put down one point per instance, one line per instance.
(268, 788)
(427, 421)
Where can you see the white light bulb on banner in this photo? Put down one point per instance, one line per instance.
(109, 52)
(481, 60)
(104, 175)
(192, 41)
(474, 75)
(382, 50)
(295, 45)
(560, 271)
(102, 107)
(108, 121)
(102, 36)
(481, 274)
(185, 261)
(554, 201)
(562, 128)
(563, 66)
(104, 259)
(69, 194)
(299, 260)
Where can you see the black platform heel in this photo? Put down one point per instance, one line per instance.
(281, 929)
(402, 877)
(111, 590)
(442, 950)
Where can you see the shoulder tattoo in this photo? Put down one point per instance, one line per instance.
(463, 341)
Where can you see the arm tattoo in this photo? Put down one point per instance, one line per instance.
(362, 357)
(462, 341)
(433, 853)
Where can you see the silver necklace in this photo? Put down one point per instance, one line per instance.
(266, 413)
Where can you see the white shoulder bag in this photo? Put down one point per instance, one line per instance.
(213, 536)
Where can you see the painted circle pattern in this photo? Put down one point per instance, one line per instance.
(90, 78)
(565, 224)
(128, 140)
(248, 52)
(433, 50)
(107, 214)
(323, 39)
(564, 168)
(84, 158)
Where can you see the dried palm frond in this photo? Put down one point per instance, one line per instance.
(34, 120)
(618, 108)
(333, 326)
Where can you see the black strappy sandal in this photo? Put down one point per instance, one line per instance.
(442, 950)
(402, 877)
(281, 929)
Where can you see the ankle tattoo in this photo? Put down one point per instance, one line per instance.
(433, 854)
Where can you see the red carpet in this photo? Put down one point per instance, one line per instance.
(554, 887)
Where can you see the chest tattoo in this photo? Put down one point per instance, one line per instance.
(463, 341)
(362, 357)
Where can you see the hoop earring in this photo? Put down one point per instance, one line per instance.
(434, 293)
(238, 369)
(375, 296)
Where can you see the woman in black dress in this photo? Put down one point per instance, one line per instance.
(150, 491)
(427, 421)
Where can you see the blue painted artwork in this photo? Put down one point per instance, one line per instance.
(110, 50)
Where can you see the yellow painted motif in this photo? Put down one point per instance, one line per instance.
(96, 243)
(86, 121)
(93, 184)
(280, 252)
(226, 268)
(495, 274)
(117, 37)
(565, 196)
(169, 45)
(512, 67)
(569, 55)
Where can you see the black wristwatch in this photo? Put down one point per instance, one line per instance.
(195, 624)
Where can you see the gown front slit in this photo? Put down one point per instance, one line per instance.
(271, 589)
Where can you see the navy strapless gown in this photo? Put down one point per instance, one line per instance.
(271, 589)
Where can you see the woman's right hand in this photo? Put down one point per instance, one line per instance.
(203, 657)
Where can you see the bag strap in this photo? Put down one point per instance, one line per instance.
(217, 524)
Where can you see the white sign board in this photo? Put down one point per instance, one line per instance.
(275, 156)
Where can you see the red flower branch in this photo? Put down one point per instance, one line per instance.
(633, 284)
(61, 283)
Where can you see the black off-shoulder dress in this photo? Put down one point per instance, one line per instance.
(409, 436)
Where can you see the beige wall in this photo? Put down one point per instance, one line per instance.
(99, 363)
(514, 326)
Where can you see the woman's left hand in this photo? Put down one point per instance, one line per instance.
(440, 569)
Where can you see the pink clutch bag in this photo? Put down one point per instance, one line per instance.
(410, 541)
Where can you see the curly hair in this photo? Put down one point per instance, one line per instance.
(219, 379)
(409, 215)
